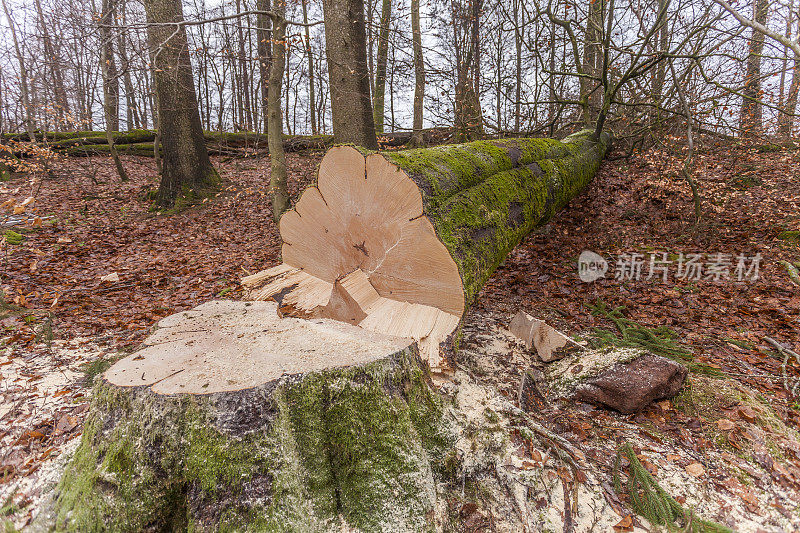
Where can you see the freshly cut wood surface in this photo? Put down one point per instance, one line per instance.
(366, 214)
(402, 242)
(228, 346)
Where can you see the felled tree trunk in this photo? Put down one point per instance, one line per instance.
(233, 419)
(402, 242)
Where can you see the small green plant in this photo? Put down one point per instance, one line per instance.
(14, 238)
(98, 366)
(651, 501)
(661, 341)
(769, 148)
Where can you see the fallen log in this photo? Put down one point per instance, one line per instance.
(402, 242)
(88, 146)
(232, 419)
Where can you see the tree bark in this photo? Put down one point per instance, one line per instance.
(189, 434)
(786, 119)
(751, 114)
(419, 75)
(187, 169)
(312, 97)
(263, 34)
(592, 63)
(109, 67)
(345, 43)
(468, 116)
(519, 35)
(410, 246)
(277, 159)
(23, 76)
(379, 98)
(56, 73)
(660, 72)
(244, 69)
(110, 83)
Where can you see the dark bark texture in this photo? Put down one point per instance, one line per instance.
(345, 42)
(186, 166)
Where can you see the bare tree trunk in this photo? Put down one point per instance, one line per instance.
(23, 76)
(109, 67)
(468, 116)
(109, 82)
(311, 93)
(379, 98)
(661, 69)
(277, 158)
(751, 114)
(786, 119)
(785, 60)
(592, 59)
(245, 74)
(519, 29)
(186, 166)
(133, 120)
(351, 106)
(287, 62)
(61, 102)
(263, 34)
(419, 74)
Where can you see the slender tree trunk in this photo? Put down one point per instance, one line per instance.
(468, 116)
(391, 87)
(351, 106)
(186, 166)
(519, 29)
(751, 114)
(552, 115)
(133, 120)
(660, 74)
(110, 81)
(109, 67)
(263, 34)
(419, 74)
(244, 68)
(592, 59)
(59, 92)
(785, 60)
(312, 97)
(379, 98)
(287, 62)
(23, 76)
(786, 119)
(280, 194)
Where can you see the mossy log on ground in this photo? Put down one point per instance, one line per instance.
(141, 143)
(402, 242)
(232, 419)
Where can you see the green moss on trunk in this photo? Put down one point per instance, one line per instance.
(484, 197)
(296, 454)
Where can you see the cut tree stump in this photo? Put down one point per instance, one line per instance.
(425, 228)
(231, 418)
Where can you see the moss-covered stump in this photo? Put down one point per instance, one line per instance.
(232, 419)
(402, 242)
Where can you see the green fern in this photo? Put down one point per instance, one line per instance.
(652, 502)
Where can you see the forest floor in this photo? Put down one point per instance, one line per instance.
(89, 282)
